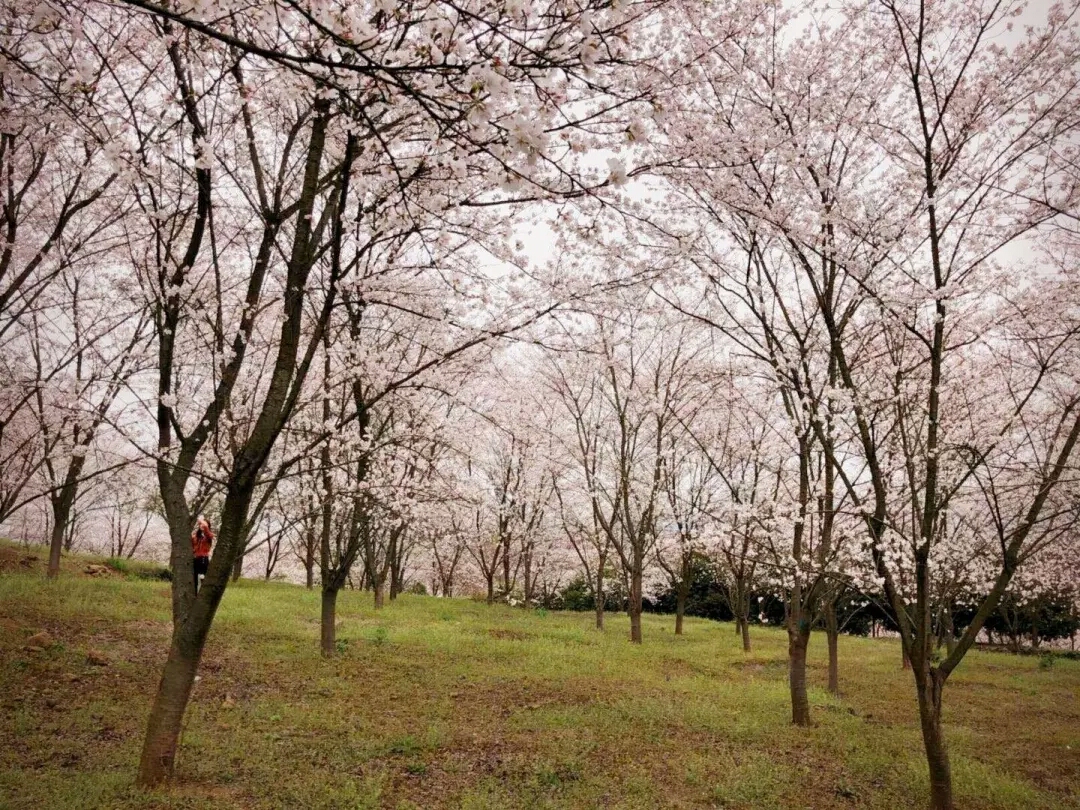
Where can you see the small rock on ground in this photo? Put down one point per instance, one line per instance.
(39, 641)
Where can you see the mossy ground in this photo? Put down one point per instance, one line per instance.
(437, 703)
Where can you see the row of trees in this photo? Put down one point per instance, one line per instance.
(522, 289)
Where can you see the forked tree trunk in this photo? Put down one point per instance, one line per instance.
(380, 595)
(937, 755)
(328, 623)
(491, 589)
(832, 632)
(188, 640)
(798, 640)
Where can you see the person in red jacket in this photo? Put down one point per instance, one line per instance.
(201, 541)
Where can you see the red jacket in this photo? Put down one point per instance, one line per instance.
(201, 540)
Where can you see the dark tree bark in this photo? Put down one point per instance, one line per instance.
(189, 638)
(598, 594)
(634, 606)
(949, 629)
(937, 756)
(680, 603)
(193, 615)
(328, 622)
(61, 504)
(798, 639)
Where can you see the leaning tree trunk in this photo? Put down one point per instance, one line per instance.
(62, 502)
(188, 641)
(832, 632)
(163, 729)
(798, 640)
(328, 621)
(930, 686)
(56, 546)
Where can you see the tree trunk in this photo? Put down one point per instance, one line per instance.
(380, 595)
(528, 583)
(741, 609)
(309, 573)
(903, 652)
(950, 631)
(506, 568)
(167, 714)
(62, 502)
(937, 755)
(191, 625)
(832, 632)
(798, 639)
(634, 607)
(491, 589)
(680, 608)
(600, 594)
(328, 638)
(238, 567)
(56, 545)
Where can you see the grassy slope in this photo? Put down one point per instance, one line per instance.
(448, 703)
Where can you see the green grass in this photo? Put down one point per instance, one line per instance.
(453, 704)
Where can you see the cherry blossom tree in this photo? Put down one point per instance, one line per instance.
(892, 179)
